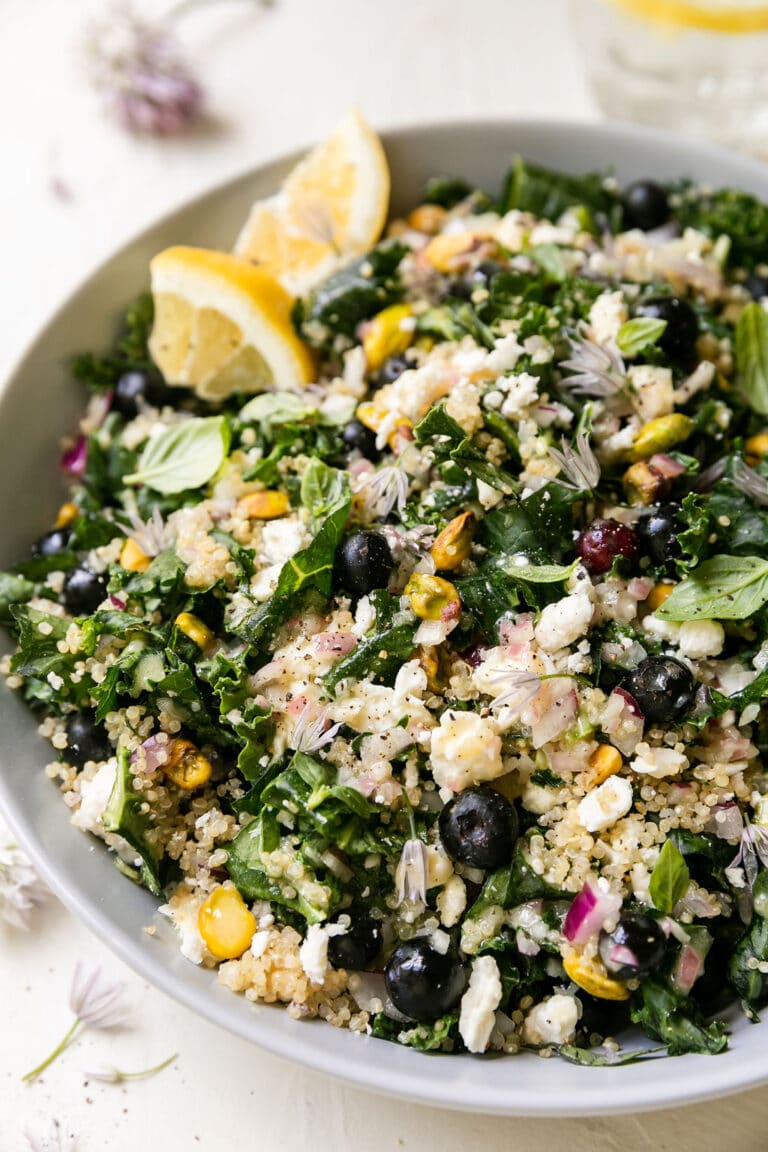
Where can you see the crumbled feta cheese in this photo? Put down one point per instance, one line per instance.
(606, 316)
(489, 497)
(539, 349)
(259, 942)
(653, 390)
(505, 354)
(452, 901)
(658, 762)
(282, 539)
(553, 1021)
(563, 622)
(479, 1004)
(313, 953)
(263, 583)
(183, 910)
(606, 804)
(522, 391)
(700, 638)
(465, 749)
(439, 866)
(94, 796)
(365, 616)
(663, 629)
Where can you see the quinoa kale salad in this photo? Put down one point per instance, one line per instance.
(405, 630)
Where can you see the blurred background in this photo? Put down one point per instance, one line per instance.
(94, 149)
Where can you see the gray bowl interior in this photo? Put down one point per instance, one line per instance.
(40, 403)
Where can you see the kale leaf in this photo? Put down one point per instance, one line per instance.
(451, 443)
(379, 655)
(546, 193)
(439, 1035)
(675, 1020)
(750, 984)
(124, 817)
(738, 215)
(130, 353)
(352, 294)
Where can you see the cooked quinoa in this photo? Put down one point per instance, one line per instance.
(435, 709)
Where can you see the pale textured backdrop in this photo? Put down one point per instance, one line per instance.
(277, 78)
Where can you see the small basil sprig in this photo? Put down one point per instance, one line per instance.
(751, 346)
(271, 409)
(186, 455)
(638, 334)
(723, 588)
(670, 878)
(540, 573)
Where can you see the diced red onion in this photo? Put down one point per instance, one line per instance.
(726, 821)
(517, 632)
(665, 466)
(590, 909)
(695, 904)
(679, 791)
(629, 702)
(640, 586)
(621, 957)
(116, 602)
(360, 467)
(688, 968)
(155, 755)
(526, 946)
(73, 460)
(560, 713)
(337, 643)
(671, 927)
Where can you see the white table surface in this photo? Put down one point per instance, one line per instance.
(277, 78)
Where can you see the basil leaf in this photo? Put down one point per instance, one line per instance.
(271, 408)
(183, 456)
(637, 334)
(723, 588)
(550, 259)
(751, 346)
(322, 490)
(669, 879)
(540, 573)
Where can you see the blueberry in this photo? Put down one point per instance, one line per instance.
(679, 337)
(635, 947)
(84, 590)
(52, 542)
(600, 543)
(657, 533)
(358, 438)
(645, 205)
(663, 688)
(480, 277)
(135, 386)
(479, 828)
(363, 563)
(359, 945)
(85, 739)
(423, 983)
(603, 1017)
(391, 370)
(757, 285)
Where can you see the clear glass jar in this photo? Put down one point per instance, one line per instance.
(699, 67)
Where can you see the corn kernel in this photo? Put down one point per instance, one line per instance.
(431, 596)
(605, 761)
(133, 557)
(388, 334)
(444, 253)
(454, 544)
(661, 434)
(66, 514)
(265, 505)
(428, 218)
(592, 977)
(186, 766)
(756, 447)
(194, 628)
(225, 924)
(658, 595)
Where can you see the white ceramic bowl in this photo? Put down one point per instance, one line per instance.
(40, 403)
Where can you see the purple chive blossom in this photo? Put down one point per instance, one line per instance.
(56, 1139)
(310, 735)
(519, 689)
(20, 889)
(411, 874)
(578, 463)
(138, 66)
(94, 1003)
(751, 483)
(595, 369)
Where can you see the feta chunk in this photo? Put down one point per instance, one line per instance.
(606, 804)
(700, 638)
(452, 901)
(606, 316)
(94, 796)
(522, 391)
(479, 1004)
(658, 762)
(553, 1021)
(465, 749)
(313, 953)
(563, 622)
(282, 539)
(653, 390)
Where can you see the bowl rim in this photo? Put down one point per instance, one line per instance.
(720, 1077)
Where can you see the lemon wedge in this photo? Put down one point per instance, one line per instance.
(331, 208)
(223, 326)
(733, 19)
